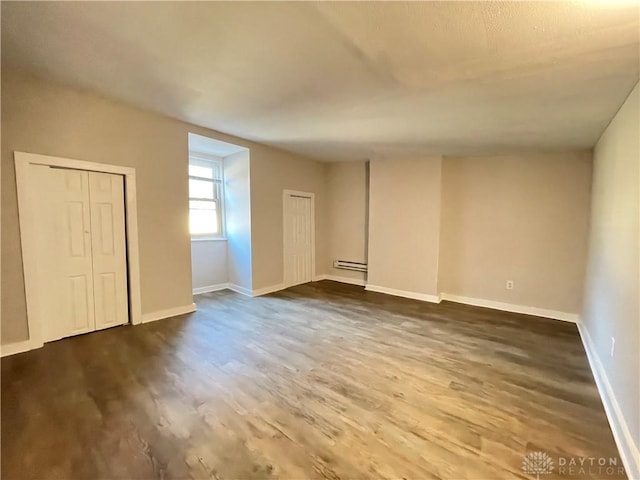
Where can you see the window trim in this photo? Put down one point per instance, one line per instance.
(210, 159)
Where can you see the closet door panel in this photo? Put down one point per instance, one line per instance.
(109, 249)
(67, 283)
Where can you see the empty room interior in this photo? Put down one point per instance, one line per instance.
(323, 240)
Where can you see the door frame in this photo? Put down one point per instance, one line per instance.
(27, 217)
(311, 196)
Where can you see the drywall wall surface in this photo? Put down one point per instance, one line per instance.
(347, 211)
(271, 173)
(519, 218)
(208, 263)
(612, 286)
(238, 219)
(404, 224)
(40, 116)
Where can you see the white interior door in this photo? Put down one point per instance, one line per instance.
(65, 242)
(80, 245)
(298, 242)
(106, 192)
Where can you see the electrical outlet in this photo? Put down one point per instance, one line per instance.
(509, 284)
(613, 346)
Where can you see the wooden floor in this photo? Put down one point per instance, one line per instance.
(319, 381)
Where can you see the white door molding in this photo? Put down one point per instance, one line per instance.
(27, 219)
(312, 197)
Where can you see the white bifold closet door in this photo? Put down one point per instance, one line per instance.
(83, 280)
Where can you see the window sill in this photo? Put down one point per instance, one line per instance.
(208, 239)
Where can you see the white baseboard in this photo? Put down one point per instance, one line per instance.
(508, 307)
(210, 288)
(258, 292)
(425, 297)
(629, 451)
(351, 281)
(18, 347)
(26, 345)
(337, 278)
(239, 289)
(266, 290)
(169, 312)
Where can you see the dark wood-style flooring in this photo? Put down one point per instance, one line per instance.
(322, 380)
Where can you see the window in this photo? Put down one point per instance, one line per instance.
(206, 197)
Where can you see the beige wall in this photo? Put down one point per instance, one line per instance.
(238, 220)
(612, 286)
(272, 173)
(522, 218)
(404, 224)
(47, 119)
(42, 117)
(208, 263)
(347, 186)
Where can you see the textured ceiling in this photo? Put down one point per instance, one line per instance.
(348, 80)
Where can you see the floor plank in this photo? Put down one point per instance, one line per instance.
(322, 380)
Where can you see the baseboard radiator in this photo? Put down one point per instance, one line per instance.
(347, 265)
